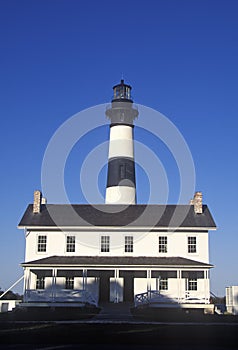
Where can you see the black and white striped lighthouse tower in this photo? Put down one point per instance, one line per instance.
(121, 185)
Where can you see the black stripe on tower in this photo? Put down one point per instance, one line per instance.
(121, 172)
(122, 123)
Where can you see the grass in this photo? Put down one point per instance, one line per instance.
(178, 331)
(122, 334)
(49, 314)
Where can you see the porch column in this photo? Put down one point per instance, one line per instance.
(26, 283)
(116, 276)
(53, 293)
(27, 278)
(206, 286)
(148, 272)
(179, 280)
(84, 279)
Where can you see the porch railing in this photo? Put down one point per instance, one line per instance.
(154, 296)
(77, 296)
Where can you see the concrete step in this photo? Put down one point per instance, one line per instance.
(114, 311)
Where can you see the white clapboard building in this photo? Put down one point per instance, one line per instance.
(119, 251)
(232, 300)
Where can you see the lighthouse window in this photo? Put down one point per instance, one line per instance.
(105, 244)
(122, 171)
(127, 93)
(129, 244)
(121, 92)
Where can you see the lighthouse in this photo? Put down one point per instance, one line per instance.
(121, 183)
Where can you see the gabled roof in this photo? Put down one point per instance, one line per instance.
(76, 261)
(80, 215)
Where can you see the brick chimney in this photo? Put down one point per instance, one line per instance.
(37, 202)
(197, 202)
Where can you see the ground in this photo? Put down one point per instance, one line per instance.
(181, 331)
(119, 336)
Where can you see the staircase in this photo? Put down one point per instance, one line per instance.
(219, 308)
(114, 312)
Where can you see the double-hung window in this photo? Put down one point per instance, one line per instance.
(69, 283)
(163, 283)
(40, 283)
(41, 244)
(70, 244)
(192, 284)
(192, 244)
(105, 244)
(128, 244)
(163, 244)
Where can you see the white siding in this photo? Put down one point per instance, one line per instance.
(145, 244)
(232, 299)
(121, 141)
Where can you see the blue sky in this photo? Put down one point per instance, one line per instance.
(60, 57)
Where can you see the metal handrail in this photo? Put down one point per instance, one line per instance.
(63, 295)
(13, 285)
(151, 296)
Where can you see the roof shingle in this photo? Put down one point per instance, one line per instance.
(80, 215)
(115, 261)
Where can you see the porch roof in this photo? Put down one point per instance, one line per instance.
(97, 261)
(80, 215)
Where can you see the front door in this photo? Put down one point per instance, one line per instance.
(116, 290)
(104, 286)
(128, 290)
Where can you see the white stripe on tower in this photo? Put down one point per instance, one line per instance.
(121, 186)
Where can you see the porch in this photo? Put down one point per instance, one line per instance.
(154, 299)
(98, 284)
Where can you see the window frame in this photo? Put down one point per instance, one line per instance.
(192, 284)
(163, 283)
(163, 244)
(40, 282)
(70, 246)
(42, 244)
(105, 244)
(69, 282)
(192, 246)
(129, 244)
